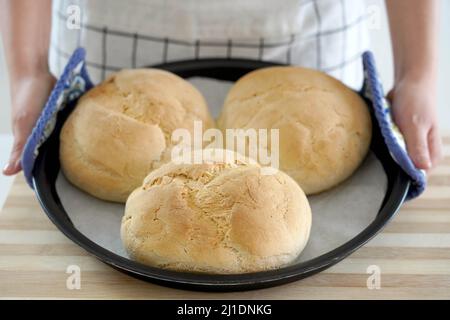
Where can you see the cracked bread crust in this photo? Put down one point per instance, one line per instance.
(216, 218)
(121, 130)
(324, 127)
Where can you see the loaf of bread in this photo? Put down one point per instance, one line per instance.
(324, 127)
(220, 216)
(121, 130)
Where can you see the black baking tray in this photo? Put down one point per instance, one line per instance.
(47, 167)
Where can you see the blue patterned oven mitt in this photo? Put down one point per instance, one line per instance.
(75, 81)
(373, 91)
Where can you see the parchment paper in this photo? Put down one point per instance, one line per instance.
(338, 215)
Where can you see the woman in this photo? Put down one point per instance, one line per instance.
(329, 35)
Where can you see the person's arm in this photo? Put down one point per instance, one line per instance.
(25, 28)
(414, 28)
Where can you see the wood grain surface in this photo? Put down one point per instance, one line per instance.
(412, 252)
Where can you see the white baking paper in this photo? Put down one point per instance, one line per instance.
(338, 215)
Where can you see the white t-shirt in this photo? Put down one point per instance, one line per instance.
(329, 35)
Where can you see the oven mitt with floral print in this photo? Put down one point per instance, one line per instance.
(73, 82)
(373, 91)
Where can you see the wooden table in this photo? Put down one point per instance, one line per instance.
(413, 254)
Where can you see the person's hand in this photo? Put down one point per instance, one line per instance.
(414, 111)
(29, 94)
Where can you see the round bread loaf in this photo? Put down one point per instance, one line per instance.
(121, 130)
(216, 217)
(324, 127)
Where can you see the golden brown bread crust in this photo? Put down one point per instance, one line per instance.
(325, 127)
(222, 217)
(121, 129)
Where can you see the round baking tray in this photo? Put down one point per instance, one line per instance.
(47, 168)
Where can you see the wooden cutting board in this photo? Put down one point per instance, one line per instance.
(412, 254)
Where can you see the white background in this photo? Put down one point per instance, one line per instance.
(380, 46)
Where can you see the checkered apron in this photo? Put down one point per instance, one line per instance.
(329, 35)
